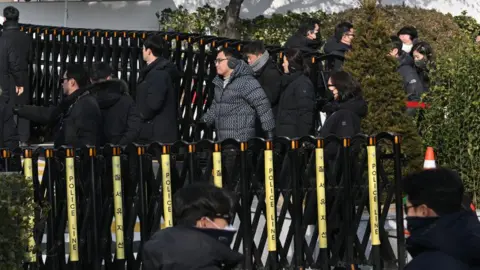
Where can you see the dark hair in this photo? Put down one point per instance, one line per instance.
(425, 49)
(100, 71)
(296, 61)
(440, 189)
(255, 47)
(11, 14)
(396, 43)
(230, 52)
(306, 27)
(409, 30)
(341, 29)
(195, 201)
(78, 73)
(346, 85)
(155, 44)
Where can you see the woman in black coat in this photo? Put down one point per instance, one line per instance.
(346, 109)
(295, 117)
(424, 61)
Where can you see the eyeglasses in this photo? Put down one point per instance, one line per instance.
(331, 85)
(218, 61)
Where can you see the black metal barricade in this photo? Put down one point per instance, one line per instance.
(309, 202)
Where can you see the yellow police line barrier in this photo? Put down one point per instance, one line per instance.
(166, 188)
(118, 203)
(71, 205)
(28, 172)
(217, 167)
(373, 192)
(321, 198)
(270, 198)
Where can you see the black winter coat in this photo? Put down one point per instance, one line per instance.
(8, 128)
(412, 83)
(344, 118)
(121, 121)
(11, 73)
(22, 43)
(77, 120)
(298, 41)
(270, 79)
(187, 248)
(157, 102)
(337, 50)
(452, 242)
(296, 107)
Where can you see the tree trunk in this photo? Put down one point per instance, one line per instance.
(229, 26)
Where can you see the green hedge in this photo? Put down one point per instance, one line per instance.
(452, 124)
(16, 205)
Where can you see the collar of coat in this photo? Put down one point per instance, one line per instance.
(11, 26)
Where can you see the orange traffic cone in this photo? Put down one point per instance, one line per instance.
(429, 159)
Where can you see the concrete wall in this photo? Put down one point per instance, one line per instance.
(140, 15)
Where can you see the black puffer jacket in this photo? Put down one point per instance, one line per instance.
(344, 118)
(338, 51)
(77, 120)
(157, 102)
(296, 107)
(188, 248)
(121, 122)
(299, 41)
(235, 106)
(450, 243)
(11, 73)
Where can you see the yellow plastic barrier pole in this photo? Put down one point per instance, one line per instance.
(72, 205)
(321, 198)
(217, 167)
(270, 203)
(28, 172)
(167, 188)
(118, 203)
(373, 195)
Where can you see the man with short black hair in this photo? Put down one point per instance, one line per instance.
(340, 44)
(239, 100)
(157, 96)
(307, 38)
(77, 119)
(121, 122)
(22, 44)
(202, 232)
(411, 81)
(443, 235)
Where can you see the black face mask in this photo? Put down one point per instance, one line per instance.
(421, 64)
(418, 224)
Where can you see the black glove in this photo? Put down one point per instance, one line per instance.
(15, 109)
(269, 135)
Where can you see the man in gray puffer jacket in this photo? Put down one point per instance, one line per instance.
(239, 98)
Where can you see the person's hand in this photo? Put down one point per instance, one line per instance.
(19, 90)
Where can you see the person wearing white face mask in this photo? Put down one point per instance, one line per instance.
(201, 235)
(409, 36)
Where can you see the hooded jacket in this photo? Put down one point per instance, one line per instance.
(235, 106)
(121, 122)
(450, 243)
(157, 102)
(188, 248)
